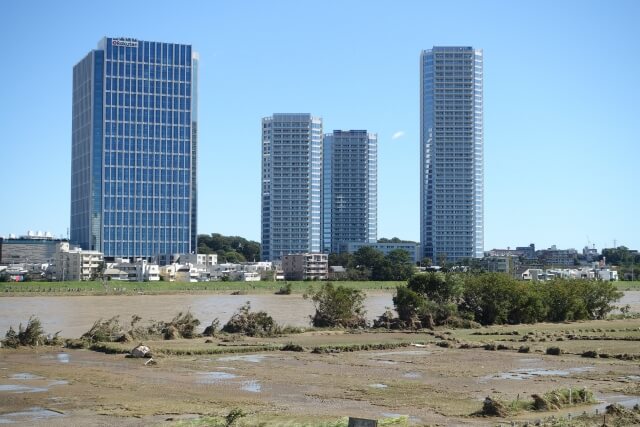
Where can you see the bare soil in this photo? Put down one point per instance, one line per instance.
(427, 383)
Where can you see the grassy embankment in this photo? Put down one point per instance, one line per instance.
(628, 285)
(132, 288)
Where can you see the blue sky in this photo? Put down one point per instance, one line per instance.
(561, 104)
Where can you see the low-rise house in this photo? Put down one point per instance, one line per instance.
(77, 264)
(308, 266)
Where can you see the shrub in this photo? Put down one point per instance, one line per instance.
(554, 351)
(250, 323)
(524, 349)
(292, 347)
(284, 290)
(444, 344)
(338, 306)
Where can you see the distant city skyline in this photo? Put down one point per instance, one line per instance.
(560, 105)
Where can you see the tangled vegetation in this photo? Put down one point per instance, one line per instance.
(30, 336)
(551, 401)
(183, 325)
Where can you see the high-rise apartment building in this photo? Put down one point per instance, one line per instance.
(451, 153)
(291, 185)
(134, 147)
(350, 189)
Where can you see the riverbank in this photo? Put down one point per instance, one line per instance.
(22, 289)
(11, 289)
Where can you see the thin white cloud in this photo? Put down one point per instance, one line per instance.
(398, 135)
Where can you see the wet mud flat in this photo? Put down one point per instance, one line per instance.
(425, 384)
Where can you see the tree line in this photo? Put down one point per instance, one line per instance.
(461, 300)
(368, 263)
(233, 249)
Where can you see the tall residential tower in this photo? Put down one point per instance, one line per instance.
(451, 153)
(134, 146)
(291, 185)
(350, 189)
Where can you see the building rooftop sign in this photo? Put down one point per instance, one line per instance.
(124, 42)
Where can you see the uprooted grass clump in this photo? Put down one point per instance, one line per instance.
(551, 401)
(32, 335)
(183, 325)
(252, 323)
(560, 398)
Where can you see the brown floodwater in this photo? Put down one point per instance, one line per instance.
(74, 315)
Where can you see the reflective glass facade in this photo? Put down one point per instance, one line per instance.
(350, 189)
(134, 149)
(452, 176)
(291, 185)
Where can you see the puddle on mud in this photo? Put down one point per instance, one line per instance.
(624, 400)
(253, 358)
(32, 414)
(58, 382)
(62, 357)
(407, 353)
(251, 386)
(14, 388)
(525, 373)
(395, 416)
(412, 375)
(25, 376)
(529, 360)
(378, 385)
(214, 377)
(385, 362)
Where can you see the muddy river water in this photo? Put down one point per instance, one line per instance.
(74, 315)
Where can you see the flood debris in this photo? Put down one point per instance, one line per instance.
(141, 351)
(623, 415)
(493, 408)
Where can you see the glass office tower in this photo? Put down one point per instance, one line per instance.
(291, 185)
(451, 149)
(350, 189)
(134, 148)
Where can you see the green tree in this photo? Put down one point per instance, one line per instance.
(337, 306)
(344, 259)
(368, 257)
(438, 287)
(408, 303)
